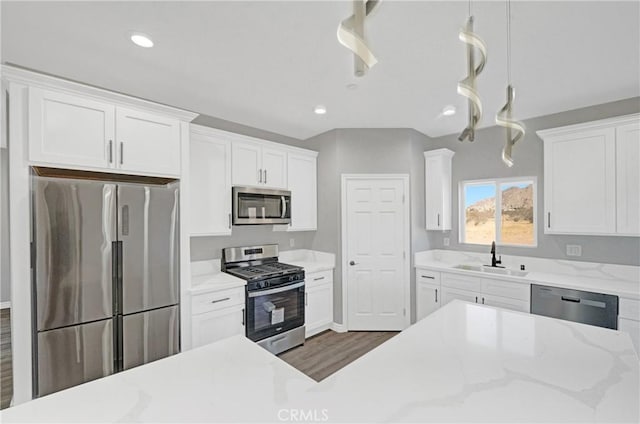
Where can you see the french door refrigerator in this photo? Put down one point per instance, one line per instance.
(106, 267)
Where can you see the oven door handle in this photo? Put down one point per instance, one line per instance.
(276, 290)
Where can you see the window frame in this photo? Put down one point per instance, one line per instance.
(498, 207)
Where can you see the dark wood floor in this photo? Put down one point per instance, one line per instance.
(6, 372)
(326, 353)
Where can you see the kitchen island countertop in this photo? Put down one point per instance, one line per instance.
(465, 362)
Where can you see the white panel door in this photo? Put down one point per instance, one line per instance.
(304, 198)
(246, 161)
(147, 142)
(428, 297)
(580, 183)
(628, 179)
(274, 168)
(70, 130)
(375, 231)
(210, 183)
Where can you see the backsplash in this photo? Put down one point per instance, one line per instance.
(203, 248)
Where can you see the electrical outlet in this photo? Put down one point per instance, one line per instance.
(574, 250)
(292, 242)
(445, 241)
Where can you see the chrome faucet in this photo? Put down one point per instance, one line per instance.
(494, 261)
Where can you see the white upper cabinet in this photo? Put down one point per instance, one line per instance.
(255, 165)
(74, 126)
(437, 167)
(70, 130)
(304, 191)
(628, 178)
(210, 183)
(591, 178)
(147, 142)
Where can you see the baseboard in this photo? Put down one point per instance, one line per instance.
(338, 328)
(5, 305)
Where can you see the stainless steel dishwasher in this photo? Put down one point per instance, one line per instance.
(575, 305)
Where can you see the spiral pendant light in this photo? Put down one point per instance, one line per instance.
(515, 130)
(351, 35)
(467, 87)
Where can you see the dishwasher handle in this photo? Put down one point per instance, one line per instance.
(570, 299)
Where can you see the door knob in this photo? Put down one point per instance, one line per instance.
(352, 263)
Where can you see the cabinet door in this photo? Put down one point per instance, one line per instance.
(246, 162)
(579, 183)
(449, 294)
(631, 327)
(628, 179)
(303, 186)
(437, 168)
(217, 325)
(428, 297)
(147, 142)
(318, 313)
(70, 130)
(274, 168)
(505, 302)
(210, 183)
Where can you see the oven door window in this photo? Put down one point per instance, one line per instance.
(261, 206)
(275, 311)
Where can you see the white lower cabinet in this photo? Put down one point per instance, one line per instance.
(487, 291)
(217, 315)
(428, 292)
(629, 320)
(318, 312)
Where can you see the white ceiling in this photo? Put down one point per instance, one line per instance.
(267, 64)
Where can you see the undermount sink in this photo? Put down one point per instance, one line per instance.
(492, 270)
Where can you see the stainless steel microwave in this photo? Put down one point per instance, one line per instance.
(255, 206)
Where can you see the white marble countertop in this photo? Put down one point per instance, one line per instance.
(619, 280)
(206, 277)
(310, 260)
(463, 363)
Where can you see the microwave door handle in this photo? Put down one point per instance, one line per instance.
(284, 206)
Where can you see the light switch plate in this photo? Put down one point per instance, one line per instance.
(574, 250)
(445, 241)
(292, 242)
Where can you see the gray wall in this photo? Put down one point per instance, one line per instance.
(481, 159)
(365, 151)
(203, 248)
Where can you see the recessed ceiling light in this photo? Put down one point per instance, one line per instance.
(142, 40)
(449, 110)
(320, 110)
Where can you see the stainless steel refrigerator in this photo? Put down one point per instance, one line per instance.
(106, 273)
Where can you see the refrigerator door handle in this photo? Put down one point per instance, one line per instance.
(120, 273)
(115, 277)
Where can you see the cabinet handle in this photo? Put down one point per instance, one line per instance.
(436, 295)
(121, 153)
(229, 221)
(265, 176)
(318, 279)
(243, 317)
(483, 300)
(476, 299)
(548, 219)
(110, 151)
(429, 277)
(260, 175)
(305, 299)
(221, 300)
(438, 220)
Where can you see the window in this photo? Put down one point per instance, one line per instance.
(500, 210)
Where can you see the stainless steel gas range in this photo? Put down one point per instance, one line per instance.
(275, 296)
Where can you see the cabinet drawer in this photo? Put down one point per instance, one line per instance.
(462, 282)
(506, 289)
(428, 277)
(217, 300)
(313, 279)
(629, 308)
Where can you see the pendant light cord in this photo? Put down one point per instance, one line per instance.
(469, 7)
(509, 42)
